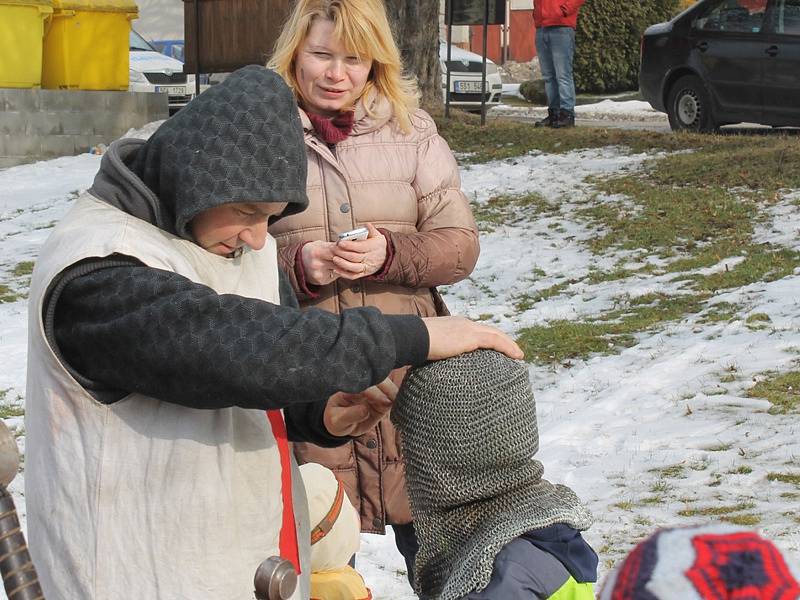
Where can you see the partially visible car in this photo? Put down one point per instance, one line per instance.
(725, 61)
(466, 70)
(177, 50)
(173, 48)
(151, 71)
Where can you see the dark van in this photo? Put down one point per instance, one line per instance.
(725, 61)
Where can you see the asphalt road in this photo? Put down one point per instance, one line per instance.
(613, 121)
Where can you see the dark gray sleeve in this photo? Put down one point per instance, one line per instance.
(304, 423)
(288, 297)
(130, 328)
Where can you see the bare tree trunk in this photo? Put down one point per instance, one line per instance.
(416, 29)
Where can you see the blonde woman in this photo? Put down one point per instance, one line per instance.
(375, 160)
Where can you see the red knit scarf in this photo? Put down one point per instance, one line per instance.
(335, 130)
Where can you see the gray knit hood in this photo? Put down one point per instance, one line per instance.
(239, 141)
(469, 434)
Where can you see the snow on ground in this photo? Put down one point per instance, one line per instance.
(607, 424)
(609, 109)
(512, 89)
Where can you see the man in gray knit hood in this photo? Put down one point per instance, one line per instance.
(489, 526)
(168, 368)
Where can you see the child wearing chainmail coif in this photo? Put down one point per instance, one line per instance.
(489, 526)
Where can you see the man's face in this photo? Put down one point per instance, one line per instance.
(224, 229)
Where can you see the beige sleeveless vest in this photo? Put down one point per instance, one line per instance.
(141, 498)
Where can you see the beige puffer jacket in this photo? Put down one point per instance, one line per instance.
(408, 186)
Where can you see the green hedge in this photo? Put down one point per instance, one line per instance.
(608, 40)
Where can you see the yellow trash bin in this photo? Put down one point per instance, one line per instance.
(21, 30)
(86, 45)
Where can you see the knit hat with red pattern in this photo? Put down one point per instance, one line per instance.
(709, 562)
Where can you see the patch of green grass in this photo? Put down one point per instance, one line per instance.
(742, 520)
(561, 340)
(763, 263)
(649, 500)
(763, 164)
(7, 411)
(672, 472)
(758, 318)
(751, 162)
(721, 447)
(506, 138)
(608, 333)
(486, 290)
(741, 470)
(666, 220)
(595, 276)
(660, 487)
(715, 511)
(648, 310)
(721, 311)
(485, 317)
(8, 295)
(792, 478)
(526, 300)
(781, 389)
(509, 210)
(640, 520)
(23, 268)
(715, 391)
(624, 505)
(793, 516)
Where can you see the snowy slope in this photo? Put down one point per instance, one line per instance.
(609, 425)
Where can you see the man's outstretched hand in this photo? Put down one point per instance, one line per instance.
(355, 414)
(451, 336)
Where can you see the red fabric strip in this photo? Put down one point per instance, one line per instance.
(288, 537)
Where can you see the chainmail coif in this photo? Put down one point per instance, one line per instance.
(468, 430)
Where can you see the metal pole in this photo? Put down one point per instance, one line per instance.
(483, 74)
(506, 27)
(197, 47)
(449, 16)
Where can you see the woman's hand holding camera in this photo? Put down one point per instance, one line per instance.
(318, 264)
(361, 258)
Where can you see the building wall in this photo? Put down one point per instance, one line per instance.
(494, 41)
(513, 41)
(40, 124)
(522, 46)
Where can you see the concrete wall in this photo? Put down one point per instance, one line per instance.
(40, 124)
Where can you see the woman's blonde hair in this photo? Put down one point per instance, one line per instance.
(363, 28)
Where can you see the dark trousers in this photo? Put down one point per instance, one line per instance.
(406, 541)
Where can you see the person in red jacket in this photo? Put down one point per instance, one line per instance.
(555, 22)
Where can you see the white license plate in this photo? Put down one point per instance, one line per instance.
(173, 90)
(467, 87)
